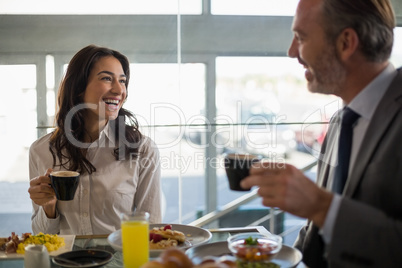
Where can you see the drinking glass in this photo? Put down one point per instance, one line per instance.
(36, 256)
(135, 238)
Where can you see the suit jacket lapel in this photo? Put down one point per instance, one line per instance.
(327, 158)
(384, 115)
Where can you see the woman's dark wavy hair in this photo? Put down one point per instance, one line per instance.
(71, 93)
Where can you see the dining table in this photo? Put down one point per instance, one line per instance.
(100, 242)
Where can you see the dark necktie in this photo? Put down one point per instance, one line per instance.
(349, 117)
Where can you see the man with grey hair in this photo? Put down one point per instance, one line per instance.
(354, 211)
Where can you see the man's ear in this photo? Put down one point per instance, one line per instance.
(347, 43)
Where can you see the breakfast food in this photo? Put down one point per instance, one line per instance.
(255, 250)
(3, 241)
(175, 258)
(164, 237)
(14, 244)
(10, 244)
(162, 244)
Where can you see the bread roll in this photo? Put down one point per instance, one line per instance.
(176, 254)
(153, 264)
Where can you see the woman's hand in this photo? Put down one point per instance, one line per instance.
(42, 193)
(284, 186)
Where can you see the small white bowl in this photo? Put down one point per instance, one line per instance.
(255, 247)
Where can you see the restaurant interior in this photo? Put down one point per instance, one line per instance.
(204, 75)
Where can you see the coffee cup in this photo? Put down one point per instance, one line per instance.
(237, 167)
(65, 184)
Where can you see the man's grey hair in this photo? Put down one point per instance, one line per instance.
(372, 20)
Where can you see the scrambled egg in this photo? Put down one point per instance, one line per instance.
(51, 242)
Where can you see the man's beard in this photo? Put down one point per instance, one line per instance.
(329, 74)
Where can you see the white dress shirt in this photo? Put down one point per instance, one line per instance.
(115, 187)
(365, 104)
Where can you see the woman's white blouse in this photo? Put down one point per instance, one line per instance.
(115, 187)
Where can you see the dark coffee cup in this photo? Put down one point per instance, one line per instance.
(237, 167)
(65, 184)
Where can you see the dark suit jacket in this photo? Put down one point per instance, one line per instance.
(368, 229)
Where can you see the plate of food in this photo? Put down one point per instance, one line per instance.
(286, 258)
(164, 236)
(13, 247)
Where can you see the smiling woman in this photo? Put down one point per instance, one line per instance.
(100, 139)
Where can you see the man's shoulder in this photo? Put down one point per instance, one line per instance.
(398, 73)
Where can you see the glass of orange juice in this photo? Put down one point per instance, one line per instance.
(135, 238)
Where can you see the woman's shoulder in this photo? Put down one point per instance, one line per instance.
(147, 144)
(42, 142)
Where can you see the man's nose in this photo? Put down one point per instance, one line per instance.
(293, 50)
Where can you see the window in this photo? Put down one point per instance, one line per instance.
(166, 98)
(96, 7)
(254, 7)
(17, 119)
